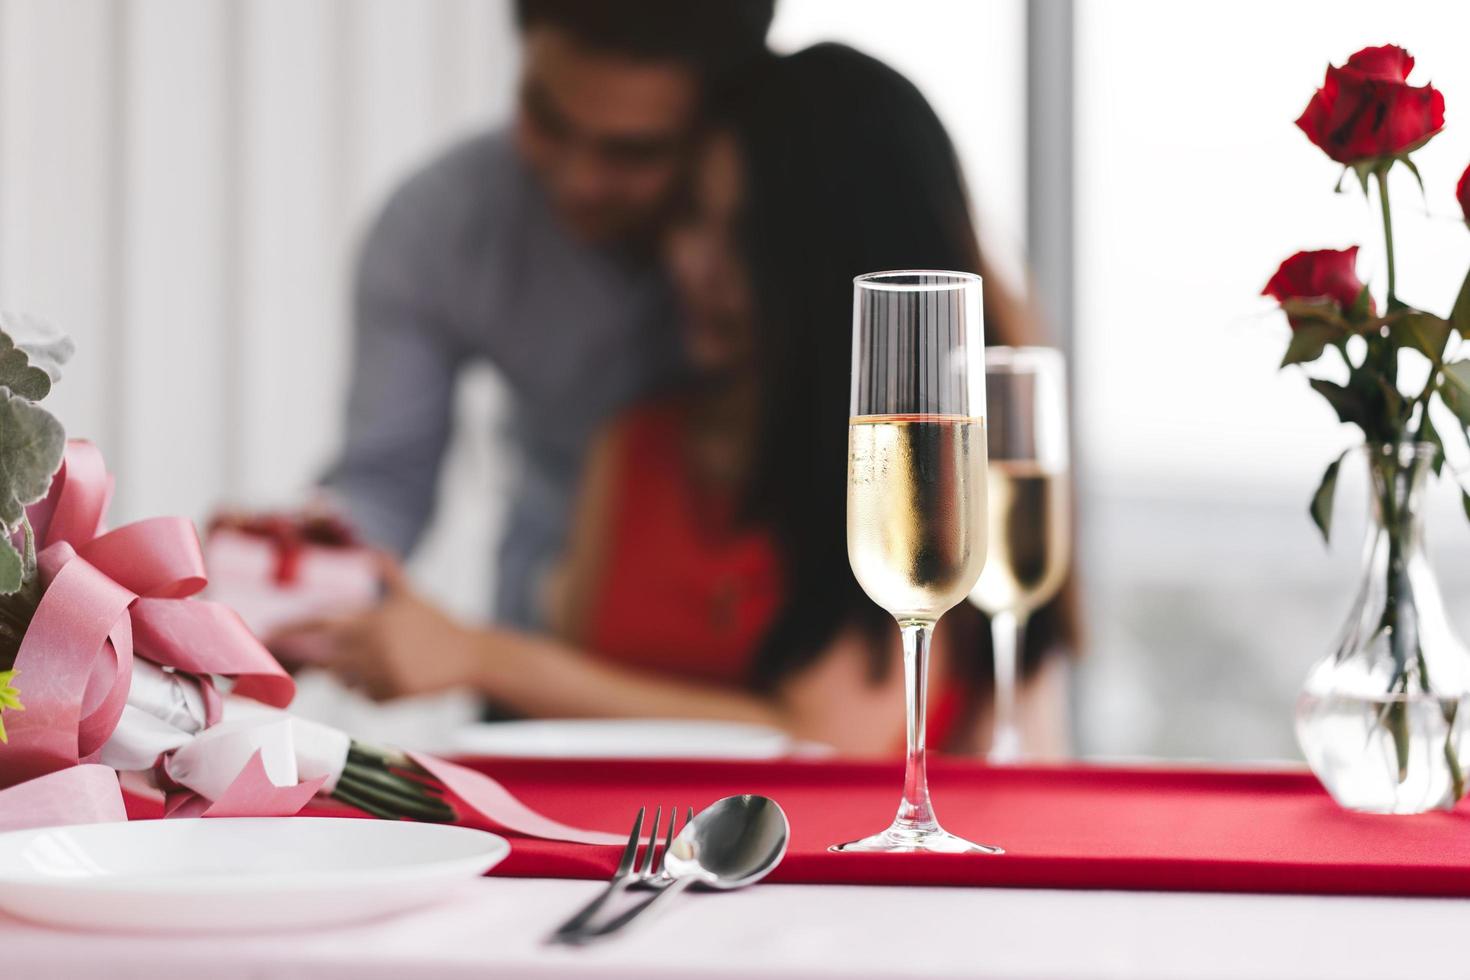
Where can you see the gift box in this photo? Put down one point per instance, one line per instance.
(279, 573)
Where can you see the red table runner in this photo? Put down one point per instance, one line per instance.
(1063, 827)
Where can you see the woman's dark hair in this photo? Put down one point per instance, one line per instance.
(712, 36)
(847, 170)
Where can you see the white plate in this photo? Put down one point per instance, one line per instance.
(621, 739)
(234, 874)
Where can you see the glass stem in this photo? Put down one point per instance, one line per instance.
(1008, 638)
(915, 812)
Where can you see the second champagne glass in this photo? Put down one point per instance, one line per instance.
(916, 489)
(1030, 514)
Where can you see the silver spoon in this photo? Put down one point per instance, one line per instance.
(734, 842)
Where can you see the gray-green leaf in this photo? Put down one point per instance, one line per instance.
(31, 354)
(31, 447)
(12, 567)
(17, 373)
(1322, 500)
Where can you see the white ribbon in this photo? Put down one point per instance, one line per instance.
(212, 760)
(319, 750)
(165, 719)
(164, 711)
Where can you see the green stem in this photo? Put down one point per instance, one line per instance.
(1451, 754)
(1398, 522)
(1382, 176)
(386, 783)
(1423, 402)
(1395, 594)
(1398, 726)
(400, 802)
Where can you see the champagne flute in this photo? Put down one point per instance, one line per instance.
(1030, 513)
(916, 489)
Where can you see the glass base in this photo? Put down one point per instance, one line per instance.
(910, 840)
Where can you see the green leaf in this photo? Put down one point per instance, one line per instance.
(1454, 389)
(1423, 332)
(1364, 169)
(31, 446)
(31, 355)
(9, 698)
(1392, 402)
(1460, 315)
(1321, 508)
(12, 568)
(1359, 311)
(1348, 404)
(1308, 341)
(1465, 502)
(1303, 311)
(1414, 169)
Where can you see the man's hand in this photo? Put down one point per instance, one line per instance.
(403, 647)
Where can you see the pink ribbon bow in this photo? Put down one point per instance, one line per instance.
(109, 595)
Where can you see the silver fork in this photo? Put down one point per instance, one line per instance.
(621, 879)
(650, 875)
(653, 875)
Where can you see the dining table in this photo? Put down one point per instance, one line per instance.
(1111, 872)
(496, 927)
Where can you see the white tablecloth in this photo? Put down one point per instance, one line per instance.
(494, 928)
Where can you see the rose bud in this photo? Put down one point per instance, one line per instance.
(1326, 275)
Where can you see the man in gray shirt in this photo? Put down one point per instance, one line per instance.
(535, 248)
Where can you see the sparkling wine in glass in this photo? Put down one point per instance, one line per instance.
(1030, 513)
(916, 489)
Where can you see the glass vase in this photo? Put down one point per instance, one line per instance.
(1381, 719)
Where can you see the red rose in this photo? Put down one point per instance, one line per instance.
(1462, 194)
(1327, 274)
(1366, 109)
(1389, 62)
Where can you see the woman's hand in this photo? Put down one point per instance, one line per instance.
(403, 647)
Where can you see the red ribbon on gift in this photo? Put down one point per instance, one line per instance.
(289, 537)
(109, 595)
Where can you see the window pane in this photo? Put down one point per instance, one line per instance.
(1209, 588)
(969, 60)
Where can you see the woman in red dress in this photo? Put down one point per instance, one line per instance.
(708, 573)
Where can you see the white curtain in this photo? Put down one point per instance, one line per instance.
(183, 185)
